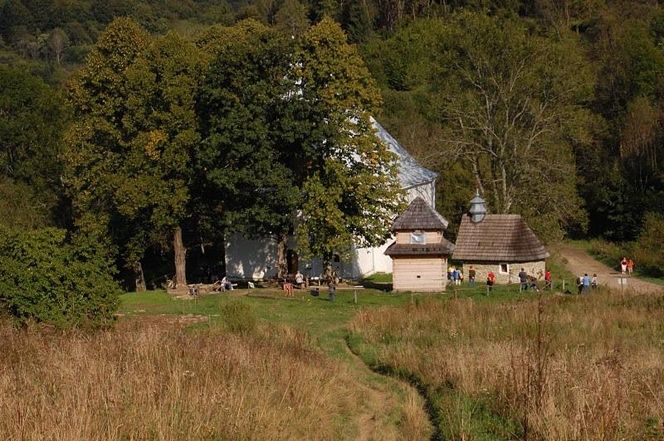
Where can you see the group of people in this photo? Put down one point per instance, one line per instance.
(527, 281)
(626, 266)
(454, 276)
(585, 283)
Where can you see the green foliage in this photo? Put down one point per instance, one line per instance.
(238, 317)
(352, 191)
(291, 18)
(648, 252)
(500, 108)
(32, 118)
(608, 252)
(243, 167)
(130, 147)
(45, 277)
(19, 207)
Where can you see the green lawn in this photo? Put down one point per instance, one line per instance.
(316, 315)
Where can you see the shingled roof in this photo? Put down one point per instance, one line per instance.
(498, 238)
(406, 249)
(419, 216)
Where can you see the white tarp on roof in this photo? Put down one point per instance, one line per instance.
(411, 173)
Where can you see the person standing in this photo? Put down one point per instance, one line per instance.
(623, 265)
(471, 276)
(547, 279)
(630, 266)
(523, 279)
(585, 281)
(593, 282)
(490, 280)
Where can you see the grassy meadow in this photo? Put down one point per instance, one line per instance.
(550, 368)
(254, 365)
(220, 367)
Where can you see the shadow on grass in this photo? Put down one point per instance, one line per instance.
(381, 286)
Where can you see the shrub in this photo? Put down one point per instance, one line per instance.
(648, 253)
(238, 317)
(608, 252)
(47, 278)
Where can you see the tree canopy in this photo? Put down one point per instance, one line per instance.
(193, 120)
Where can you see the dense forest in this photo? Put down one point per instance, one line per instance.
(554, 109)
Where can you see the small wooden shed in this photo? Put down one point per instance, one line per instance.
(501, 243)
(419, 253)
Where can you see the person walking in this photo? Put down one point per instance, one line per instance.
(593, 282)
(547, 280)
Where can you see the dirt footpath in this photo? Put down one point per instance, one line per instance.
(580, 262)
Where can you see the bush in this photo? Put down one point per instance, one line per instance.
(238, 317)
(648, 252)
(46, 278)
(608, 252)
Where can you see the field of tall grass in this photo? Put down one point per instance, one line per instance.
(552, 368)
(143, 381)
(222, 368)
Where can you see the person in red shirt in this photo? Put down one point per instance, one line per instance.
(490, 280)
(547, 279)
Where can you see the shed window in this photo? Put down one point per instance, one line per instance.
(504, 268)
(418, 238)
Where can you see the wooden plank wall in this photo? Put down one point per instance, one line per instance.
(421, 274)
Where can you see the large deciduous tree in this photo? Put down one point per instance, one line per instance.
(130, 146)
(350, 186)
(510, 102)
(247, 183)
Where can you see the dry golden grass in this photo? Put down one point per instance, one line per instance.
(158, 382)
(588, 368)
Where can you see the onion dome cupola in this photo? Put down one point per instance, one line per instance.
(477, 208)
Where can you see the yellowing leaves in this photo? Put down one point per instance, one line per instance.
(152, 146)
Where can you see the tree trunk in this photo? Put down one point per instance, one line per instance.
(139, 277)
(180, 253)
(282, 248)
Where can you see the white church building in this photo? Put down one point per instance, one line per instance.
(257, 259)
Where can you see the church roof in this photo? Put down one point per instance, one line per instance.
(497, 238)
(419, 216)
(411, 173)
